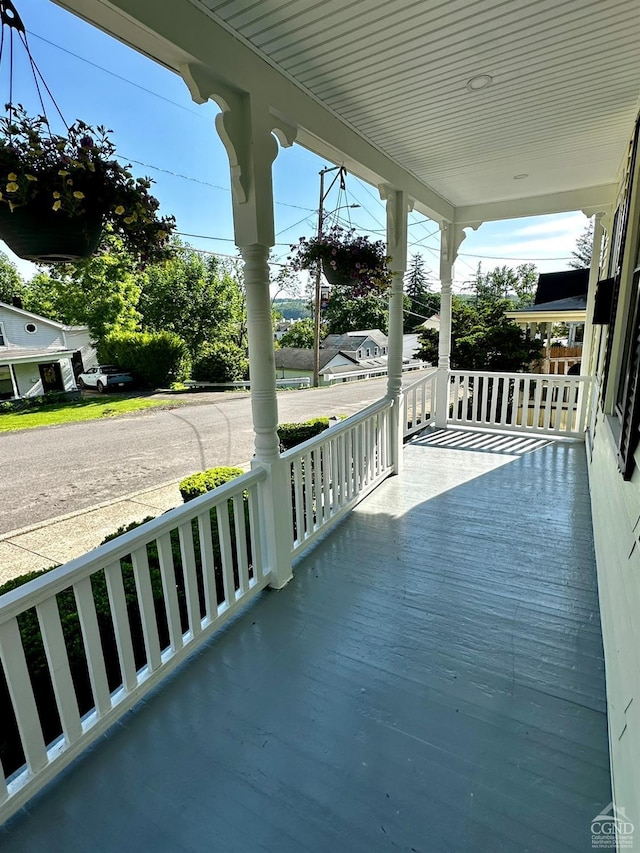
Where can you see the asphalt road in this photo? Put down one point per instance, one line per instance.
(52, 471)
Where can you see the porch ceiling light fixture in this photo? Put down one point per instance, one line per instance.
(521, 176)
(481, 81)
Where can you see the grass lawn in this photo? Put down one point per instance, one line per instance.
(77, 410)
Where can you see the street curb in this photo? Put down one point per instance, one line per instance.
(50, 521)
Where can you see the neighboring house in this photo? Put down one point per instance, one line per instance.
(39, 355)
(295, 362)
(370, 343)
(561, 297)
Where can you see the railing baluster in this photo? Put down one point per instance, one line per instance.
(168, 575)
(208, 563)
(327, 473)
(335, 474)
(486, 382)
(121, 626)
(92, 645)
(226, 554)
(562, 391)
(187, 552)
(298, 492)
(536, 404)
(55, 650)
(255, 531)
(21, 692)
(498, 383)
(140, 560)
(241, 542)
(548, 409)
(308, 493)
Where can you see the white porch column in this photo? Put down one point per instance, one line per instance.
(594, 274)
(451, 236)
(398, 206)
(248, 132)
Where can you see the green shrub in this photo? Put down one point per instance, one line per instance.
(220, 361)
(156, 359)
(293, 434)
(197, 484)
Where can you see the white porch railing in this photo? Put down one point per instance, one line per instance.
(331, 472)
(419, 403)
(523, 402)
(116, 621)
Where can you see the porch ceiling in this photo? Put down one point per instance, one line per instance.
(559, 108)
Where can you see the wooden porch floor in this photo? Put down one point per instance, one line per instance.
(431, 680)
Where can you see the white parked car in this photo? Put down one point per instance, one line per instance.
(105, 377)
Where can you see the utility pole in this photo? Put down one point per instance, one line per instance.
(316, 302)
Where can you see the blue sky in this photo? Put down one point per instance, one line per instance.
(165, 135)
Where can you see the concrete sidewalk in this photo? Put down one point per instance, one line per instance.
(61, 539)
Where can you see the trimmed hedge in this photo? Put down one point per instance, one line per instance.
(220, 361)
(204, 481)
(155, 359)
(293, 434)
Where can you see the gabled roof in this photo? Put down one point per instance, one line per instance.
(29, 315)
(352, 341)
(553, 286)
(296, 358)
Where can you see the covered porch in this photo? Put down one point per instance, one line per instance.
(429, 680)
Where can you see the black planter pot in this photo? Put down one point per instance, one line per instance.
(335, 277)
(39, 234)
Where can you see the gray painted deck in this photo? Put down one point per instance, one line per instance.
(431, 680)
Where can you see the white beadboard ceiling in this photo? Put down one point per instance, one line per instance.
(560, 108)
(388, 86)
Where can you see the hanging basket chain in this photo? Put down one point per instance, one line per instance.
(10, 18)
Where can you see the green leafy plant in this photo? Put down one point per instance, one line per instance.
(204, 481)
(77, 175)
(292, 434)
(354, 258)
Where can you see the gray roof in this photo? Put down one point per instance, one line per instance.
(296, 358)
(352, 341)
(571, 303)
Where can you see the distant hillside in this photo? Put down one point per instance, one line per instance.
(292, 309)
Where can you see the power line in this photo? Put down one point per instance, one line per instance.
(117, 76)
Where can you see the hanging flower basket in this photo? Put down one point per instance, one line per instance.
(347, 260)
(335, 277)
(37, 233)
(57, 193)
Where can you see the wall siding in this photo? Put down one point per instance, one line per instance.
(46, 337)
(616, 523)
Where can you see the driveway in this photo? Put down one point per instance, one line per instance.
(57, 470)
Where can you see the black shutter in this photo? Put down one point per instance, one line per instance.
(630, 420)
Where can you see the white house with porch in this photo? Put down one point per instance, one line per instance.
(433, 642)
(38, 355)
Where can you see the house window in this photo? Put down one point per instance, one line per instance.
(31, 328)
(3, 342)
(6, 386)
(368, 352)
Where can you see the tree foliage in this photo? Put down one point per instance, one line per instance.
(584, 246)
(301, 335)
(221, 361)
(482, 338)
(422, 303)
(347, 312)
(200, 299)
(11, 283)
(101, 292)
(156, 359)
(504, 283)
